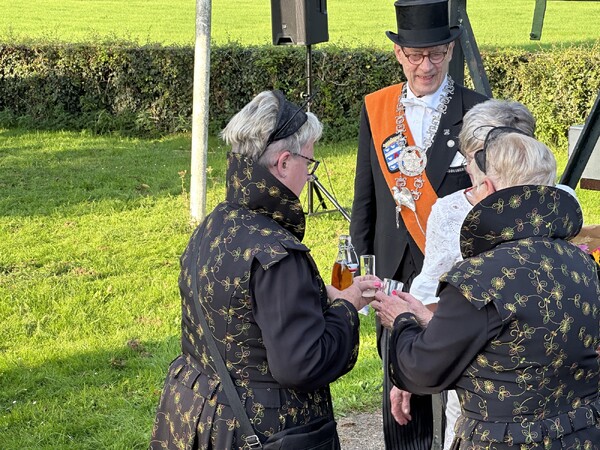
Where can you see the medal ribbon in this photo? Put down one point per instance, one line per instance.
(383, 124)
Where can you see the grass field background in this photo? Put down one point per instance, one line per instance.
(496, 24)
(91, 227)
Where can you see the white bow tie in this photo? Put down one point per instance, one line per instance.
(414, 101)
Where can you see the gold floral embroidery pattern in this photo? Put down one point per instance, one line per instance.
(263, 222)
(536, 385)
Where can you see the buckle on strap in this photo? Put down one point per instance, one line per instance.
(253, 441)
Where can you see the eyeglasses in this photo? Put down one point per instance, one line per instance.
(312, 163)
(480, 155)
(417, 58)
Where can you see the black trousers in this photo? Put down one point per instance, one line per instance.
(418, 433)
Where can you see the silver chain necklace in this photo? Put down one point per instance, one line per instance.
(413, 159)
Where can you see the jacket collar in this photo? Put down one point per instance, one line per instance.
(252, 186)
(520, 212)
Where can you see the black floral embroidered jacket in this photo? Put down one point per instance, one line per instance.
(533, 380)
(267, 308)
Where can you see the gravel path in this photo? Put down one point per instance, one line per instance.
(362, 431)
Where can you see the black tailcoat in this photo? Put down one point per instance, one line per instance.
(373, 225)
(373, 230)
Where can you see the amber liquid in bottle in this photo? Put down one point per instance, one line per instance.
(341, 276)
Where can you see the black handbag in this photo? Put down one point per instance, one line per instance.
(319, 434)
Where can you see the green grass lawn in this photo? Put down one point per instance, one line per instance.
(496, 24)
(91, 229)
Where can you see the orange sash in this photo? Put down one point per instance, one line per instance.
(383, 125)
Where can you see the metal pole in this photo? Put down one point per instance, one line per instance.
(584, 147)
(308, 75)
(314, 185)
(200, 111)
(309, 192)
(457, 64)
(331, 198)
(473, 57)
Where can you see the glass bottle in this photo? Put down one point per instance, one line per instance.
(345, 265)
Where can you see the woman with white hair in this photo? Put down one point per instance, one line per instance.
(442, 246)
(517, 324)
(282, 339)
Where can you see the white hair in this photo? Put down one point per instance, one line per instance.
(513, 159)
(247, 132)
(493, 113)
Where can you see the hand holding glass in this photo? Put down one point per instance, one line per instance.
(367, 267)
(390, 285)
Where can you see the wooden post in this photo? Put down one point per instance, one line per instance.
(466, 50)
(473, 57)
(538, 20)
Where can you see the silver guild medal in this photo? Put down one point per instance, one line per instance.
(412, 161)
(403, 197)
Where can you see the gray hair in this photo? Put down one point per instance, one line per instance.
(247, 132)
(493, 113)
(513, 159)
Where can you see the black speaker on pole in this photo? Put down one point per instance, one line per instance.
(304, 22)
(299, 22)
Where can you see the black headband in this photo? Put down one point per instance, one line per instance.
(494, 132)
(480, 156)
(290, 119)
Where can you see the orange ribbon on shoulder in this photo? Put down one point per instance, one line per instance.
(383, 125)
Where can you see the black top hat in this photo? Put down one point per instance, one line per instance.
(423, 23)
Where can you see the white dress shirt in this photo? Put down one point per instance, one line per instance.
(419, 116)
(419, 111)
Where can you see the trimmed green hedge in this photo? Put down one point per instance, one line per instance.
(148, 90)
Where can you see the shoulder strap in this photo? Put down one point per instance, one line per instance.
(232, 395)
(383, 126)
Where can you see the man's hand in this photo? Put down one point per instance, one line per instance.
(400, 405)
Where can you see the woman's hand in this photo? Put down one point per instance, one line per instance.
(388, 307)
(353, 293)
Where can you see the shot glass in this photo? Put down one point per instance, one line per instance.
(367, 267)
(390, 285)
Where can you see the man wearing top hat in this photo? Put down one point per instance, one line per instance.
(407, 158)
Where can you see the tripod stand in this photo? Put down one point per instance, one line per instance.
(314, 185)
